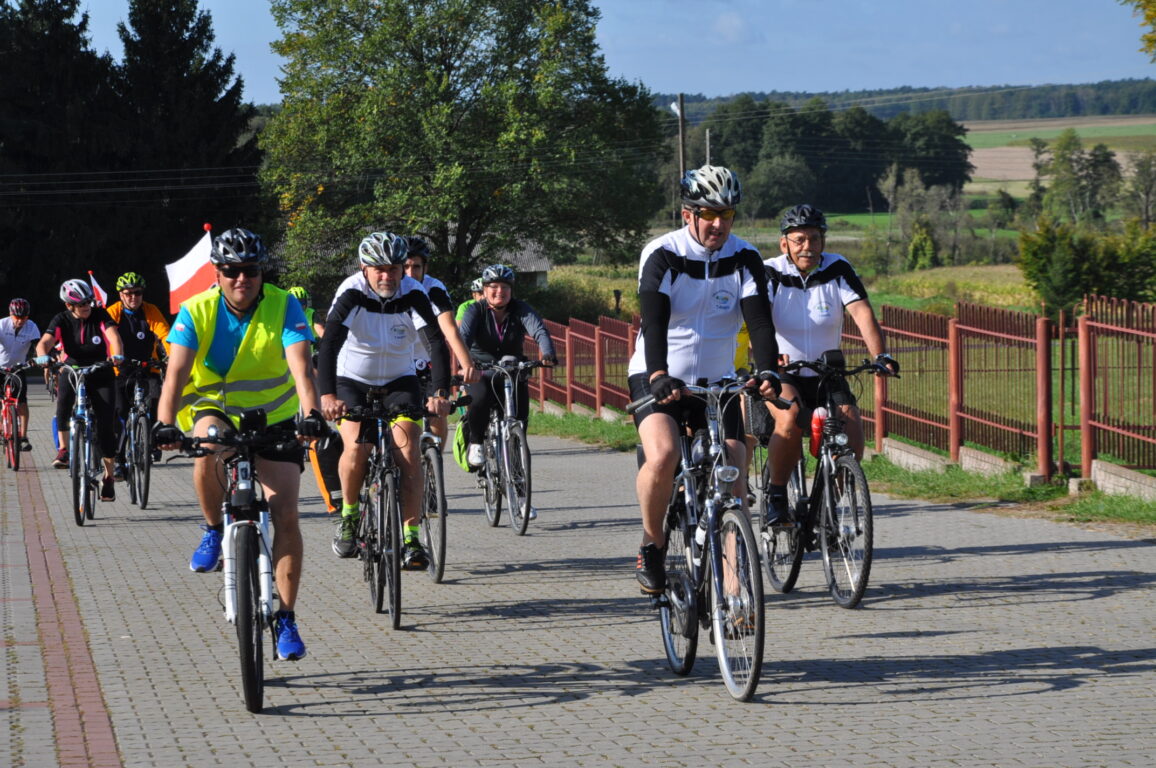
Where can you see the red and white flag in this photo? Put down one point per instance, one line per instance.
(192, 273)
(101, 295)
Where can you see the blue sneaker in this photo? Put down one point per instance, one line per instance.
(289, 644)
(208, 555)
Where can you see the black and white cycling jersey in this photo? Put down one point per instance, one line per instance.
(693, 303)
(808, 309)
(371, 340)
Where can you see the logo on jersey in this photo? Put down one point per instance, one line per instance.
(398, 332)
(96, 340)
(724, 301)
(821, 309)
(140, 335)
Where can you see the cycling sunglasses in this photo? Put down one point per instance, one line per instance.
(233, 271)
(710, 214)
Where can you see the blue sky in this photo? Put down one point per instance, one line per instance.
(720, 47)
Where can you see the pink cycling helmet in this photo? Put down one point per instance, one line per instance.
(75, 292)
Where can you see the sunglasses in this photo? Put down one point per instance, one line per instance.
(710, 214)
(86, 303)
(132, 293)
(232, 271)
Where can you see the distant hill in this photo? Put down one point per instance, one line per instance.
(1006, 102)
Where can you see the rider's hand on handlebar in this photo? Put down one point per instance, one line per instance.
(42, 360)
(770, 385)
(888, 362)
(312, 426)
(470, 374)
(549, 361)
(331, 407)
(438, 405)
(665, 388)
(167, 437)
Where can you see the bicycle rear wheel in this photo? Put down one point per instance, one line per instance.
(433, 512)
(782, 546)
(142, 459)
(389, 577)
(847, 533)
(250, 622)
(491, 479)
(517, 477)
(678, 609)
(77, 470)
(737, 610)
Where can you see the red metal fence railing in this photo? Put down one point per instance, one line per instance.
(984, 377)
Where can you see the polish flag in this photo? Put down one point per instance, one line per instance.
(192, 273)
(101, 295)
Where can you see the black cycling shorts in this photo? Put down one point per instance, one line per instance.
(689, 411)
(808, 387)
(404, 391)
(291, 453)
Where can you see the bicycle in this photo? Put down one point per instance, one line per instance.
(433, 497)
(136, 444)
(836, 513)
(379, 535)
(711, 555)
(10, 413)
(84, 456)
(505, 469)
(248, 594)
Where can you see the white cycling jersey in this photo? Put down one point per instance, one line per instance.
(808, 309)
(14, 345)
(705, 289)
(376, 346)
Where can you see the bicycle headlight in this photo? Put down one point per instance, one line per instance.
(212, 433)
(840, 439)
(726, 474)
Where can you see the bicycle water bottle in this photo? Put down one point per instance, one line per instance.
(699, 540)
(818, 419)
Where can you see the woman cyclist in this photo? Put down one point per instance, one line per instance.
(85, 335)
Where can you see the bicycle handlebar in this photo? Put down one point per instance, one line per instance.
(195, 446)
(510, 367)
(824, 369)
(721, 387)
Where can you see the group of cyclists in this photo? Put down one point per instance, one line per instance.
(391, 329)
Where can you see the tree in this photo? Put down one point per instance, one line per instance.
(1140, 193)
(54, 98)
(736, 133)
(933, 144)
(182, 114)
(1084, 184)
(478, 124)
(776, 183)
(1146, 9)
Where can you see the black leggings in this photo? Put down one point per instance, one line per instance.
(489, 393)
(101, 400)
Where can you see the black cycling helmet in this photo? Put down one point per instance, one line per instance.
(497, 273)
(803, 216)
(417, 248)
(711, 186)
(238, 246)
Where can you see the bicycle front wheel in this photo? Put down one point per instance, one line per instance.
(518, 479)
(782, 546)
(390, 573)
(678, 610)
(250, 622)
(847, 533)
(433, 512)
(142, 459)
(369, 541)
(77, 470)
(93, 471)
(737, 611)
(491, 480)
(11, 436)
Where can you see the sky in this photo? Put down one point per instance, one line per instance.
(723, 47)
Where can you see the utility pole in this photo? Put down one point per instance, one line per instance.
(681, 137)
(708, 146)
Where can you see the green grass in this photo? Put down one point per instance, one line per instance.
(615, 436)
(953, 485)
(1115, 136)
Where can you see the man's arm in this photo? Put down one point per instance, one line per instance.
(180, 367)
(299, 357)
(864, 318)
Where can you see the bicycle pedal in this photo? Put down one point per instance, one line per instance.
(657, 601)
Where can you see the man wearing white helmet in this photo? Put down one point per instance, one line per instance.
(696, 286)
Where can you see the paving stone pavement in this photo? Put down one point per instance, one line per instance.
(983, 640)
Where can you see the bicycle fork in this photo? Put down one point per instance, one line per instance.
(264, 566)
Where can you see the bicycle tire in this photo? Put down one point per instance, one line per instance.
(369, 540)
(390, 573)
(738, 620)
(142, 460)
(76, 472)
(250, 622)
(129, 446)
(491, 480)
(93, 471)
(517, 476)
(847, 533)
(12, 436)
(782, 547)
(433, 512)
(678, 610)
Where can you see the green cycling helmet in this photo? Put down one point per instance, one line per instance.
(130, 280)
(301, 295)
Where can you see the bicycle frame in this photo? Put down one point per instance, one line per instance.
(10, 414)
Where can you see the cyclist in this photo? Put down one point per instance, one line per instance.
(17, 336)
(302, 295)
(494, 327)
(368, 344)
(696, 286)
(416, 264)
(244, 344)
(86, 335)
(809, 288)
(476, 292)
(143, 333)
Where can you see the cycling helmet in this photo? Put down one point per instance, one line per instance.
(301, 295)
(711, 186)
(19, 308)
(130, 280)
(75, 292)
(417, 247)
(476, 285)
(803, 216)
(238, 246)
(497, 273)
(381, 249)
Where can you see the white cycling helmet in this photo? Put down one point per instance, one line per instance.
(76, 292)
(382, 249)
(711, 186)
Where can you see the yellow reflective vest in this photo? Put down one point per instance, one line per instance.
(259, 376)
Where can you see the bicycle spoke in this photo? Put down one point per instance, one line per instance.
(847, 538)
(737, 606)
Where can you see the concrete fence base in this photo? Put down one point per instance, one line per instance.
(1120, 481)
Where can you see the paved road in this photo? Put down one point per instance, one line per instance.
(983, 640)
